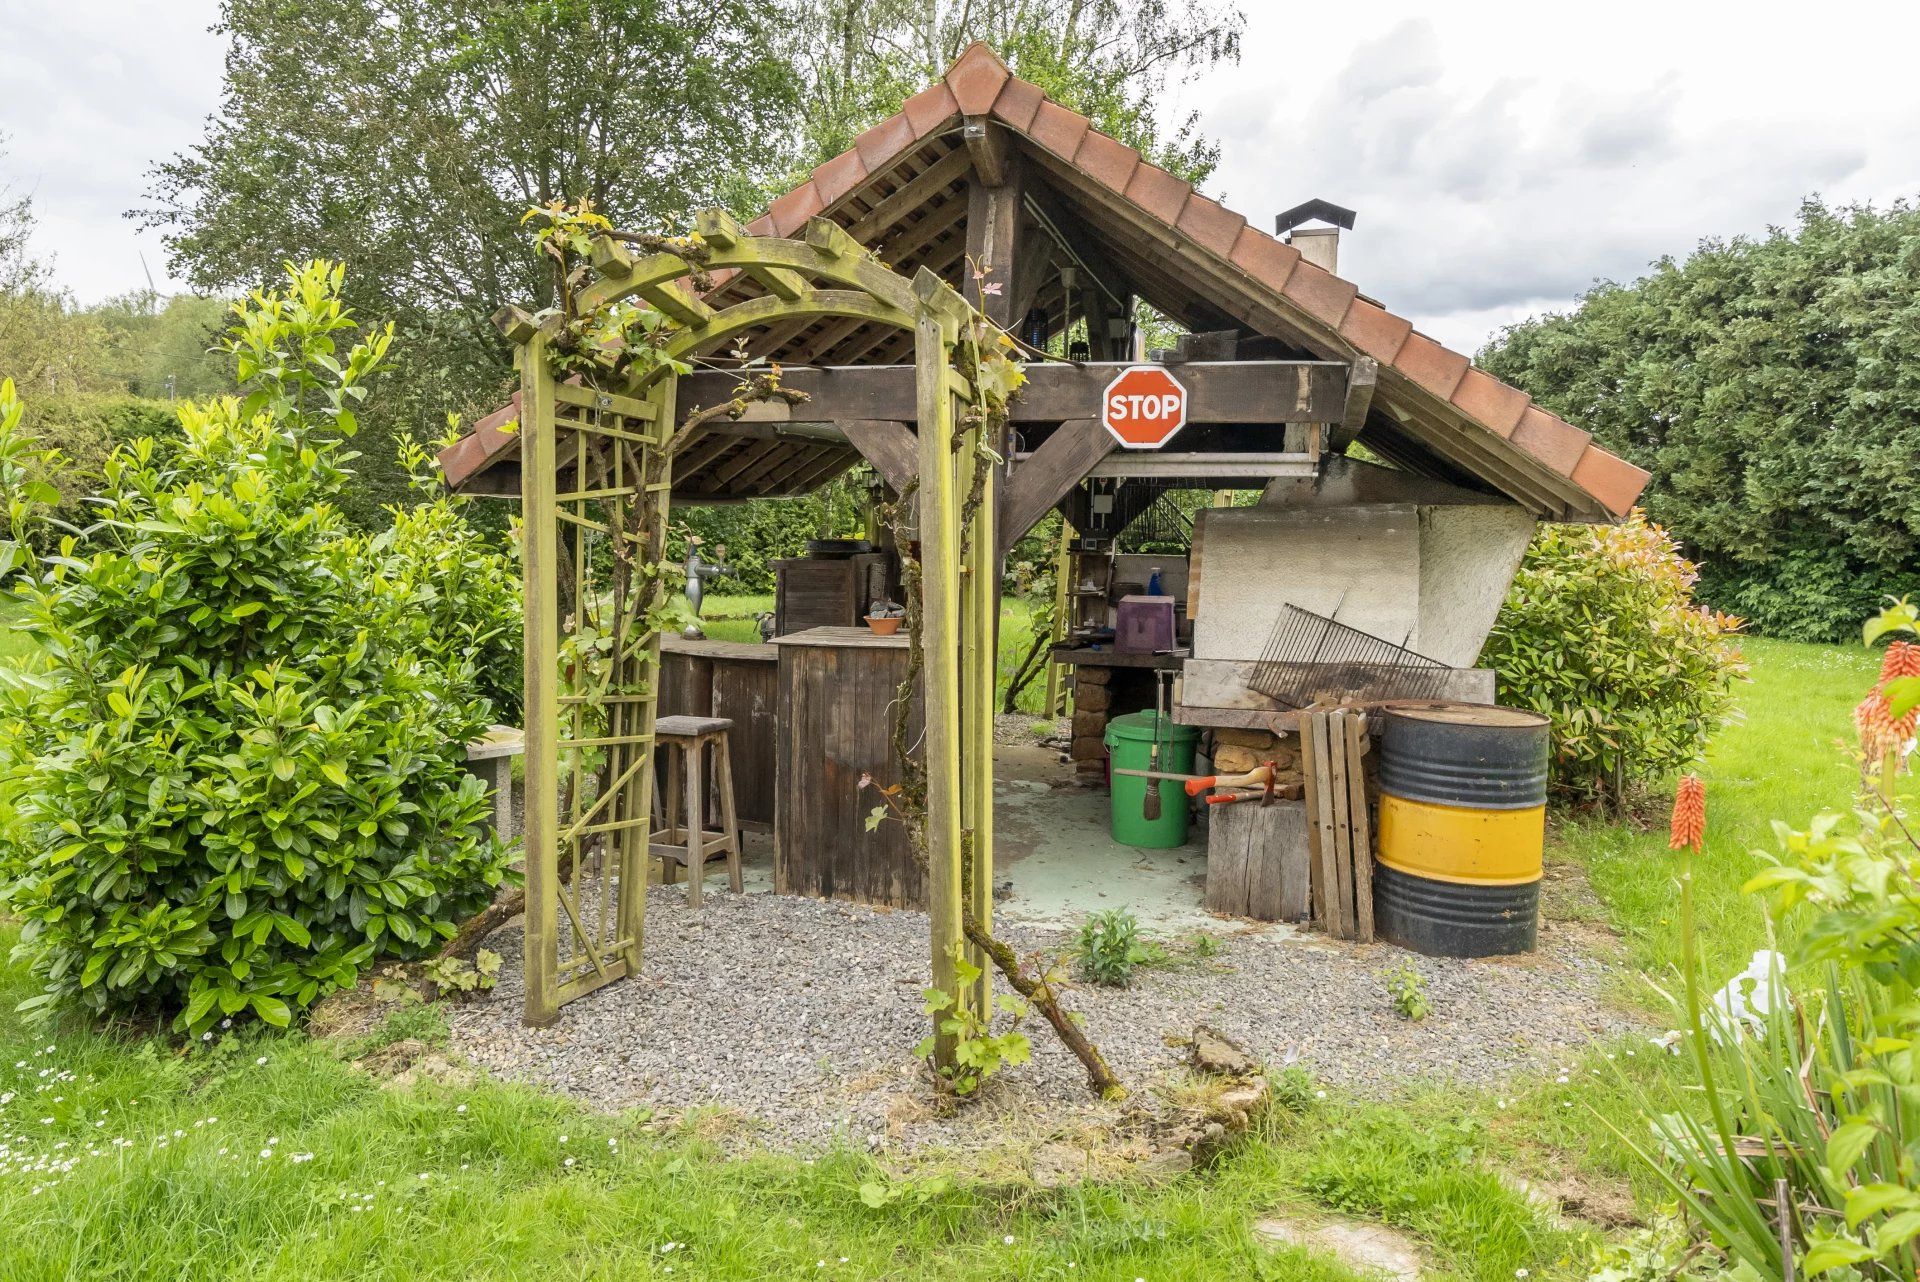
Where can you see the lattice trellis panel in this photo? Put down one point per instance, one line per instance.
(595, 474)
(595, 482)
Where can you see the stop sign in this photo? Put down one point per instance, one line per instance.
(1143, 407)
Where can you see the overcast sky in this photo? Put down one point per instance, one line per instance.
(1501, 156)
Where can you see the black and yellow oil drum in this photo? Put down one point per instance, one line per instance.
(1463, 797)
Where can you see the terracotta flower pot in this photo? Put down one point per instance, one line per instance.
(884, 627)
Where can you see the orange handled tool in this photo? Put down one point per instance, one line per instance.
(1258, 777)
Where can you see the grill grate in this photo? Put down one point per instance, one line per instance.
(1311, 659)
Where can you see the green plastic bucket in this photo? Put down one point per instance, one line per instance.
(1130, 747)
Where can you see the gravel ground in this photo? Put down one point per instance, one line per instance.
(803, 1014)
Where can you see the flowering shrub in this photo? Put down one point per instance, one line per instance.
(1806, 1163)
(235, 773)
(1600, 633)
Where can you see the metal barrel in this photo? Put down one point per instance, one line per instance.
(1463, 794)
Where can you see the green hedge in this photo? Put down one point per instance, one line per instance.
(1772, 387)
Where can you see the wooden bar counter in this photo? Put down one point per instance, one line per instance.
(730, 679)
(837, 688)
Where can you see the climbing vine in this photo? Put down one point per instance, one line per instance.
(987, 358)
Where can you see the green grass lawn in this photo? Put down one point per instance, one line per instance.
(129, 1156)
(1784, 758)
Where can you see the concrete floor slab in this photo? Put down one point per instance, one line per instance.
(1052, 846)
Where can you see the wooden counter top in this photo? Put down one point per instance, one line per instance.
(1111, 658)
(674, 643)
(861, 638)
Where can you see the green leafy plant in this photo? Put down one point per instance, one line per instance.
(1805, 1160)
(1600, 634)
(1408, 988)
(236, 777)
(980, 1052)
(916, 1192)
(1110, 946)
(457, 975)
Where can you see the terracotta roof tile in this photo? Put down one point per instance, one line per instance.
(1058, 130)
(930, 108)
(1431, 367)
(835, 178)
(1106, 160)
(1552, 440)
(979, 83)
(1614, 481)
(1159, 193)
(1490, 402)
(1375, 330)
(1320, 294)
(1212, 225)
(1019, 102)
(1264, 258)
(976, 79)
(791, 211)
(881, 145)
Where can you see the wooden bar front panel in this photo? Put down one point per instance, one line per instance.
(837, 689)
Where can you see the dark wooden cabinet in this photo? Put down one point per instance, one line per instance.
(837, 692)
(831, 592)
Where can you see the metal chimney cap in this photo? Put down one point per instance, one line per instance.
(1308, 210)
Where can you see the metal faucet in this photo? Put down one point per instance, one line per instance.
(699, 570)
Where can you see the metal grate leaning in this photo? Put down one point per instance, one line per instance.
(1311, 659)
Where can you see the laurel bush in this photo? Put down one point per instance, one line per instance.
(235, 768)
(1601, 634)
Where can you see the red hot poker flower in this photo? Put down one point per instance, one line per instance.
(1689, 814)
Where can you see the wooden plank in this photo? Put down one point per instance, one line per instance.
(1045, 477)
(1218, 392)
(539, 555)
(1357, 745)
(1336, 785)
(917, 191)
(747, 692)
(888, 445)
(993, 156)
(1353, 415)
(1229, 848)
(1310, 793)
(993, 246)
(1337, 889)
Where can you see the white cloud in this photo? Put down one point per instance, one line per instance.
(1501, 155)
(94, 94)
(1502, 158)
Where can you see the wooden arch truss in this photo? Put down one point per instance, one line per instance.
(597, 469)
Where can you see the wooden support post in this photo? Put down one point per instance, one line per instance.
(940, 647)
(1056, 703)
(982, 588)
(540, 559)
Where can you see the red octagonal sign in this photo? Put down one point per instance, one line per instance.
(1143, 407)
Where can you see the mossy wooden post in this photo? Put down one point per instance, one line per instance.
(539, 557)
(939, 529)
(1056, 703)
(981, 584)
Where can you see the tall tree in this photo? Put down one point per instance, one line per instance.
(407, 138)
(1772, 387)
(1108, 59)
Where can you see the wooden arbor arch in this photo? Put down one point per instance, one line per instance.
(595, 586)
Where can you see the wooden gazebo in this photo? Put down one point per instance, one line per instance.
(994, 201)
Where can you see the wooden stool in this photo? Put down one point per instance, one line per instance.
(685, 741)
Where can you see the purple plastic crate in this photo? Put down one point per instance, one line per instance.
(1145, 625)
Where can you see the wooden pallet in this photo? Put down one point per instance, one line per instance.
(1339, 830)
